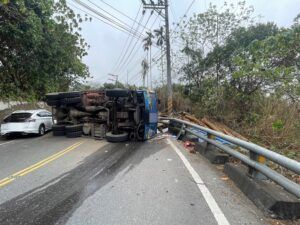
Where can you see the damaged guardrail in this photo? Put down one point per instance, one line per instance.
(255, 160)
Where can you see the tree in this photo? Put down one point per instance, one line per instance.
(145, 68)
(41, 49)
(147, 47)
(207, 32)
(113, 85)
(271, 64)
(160, 36)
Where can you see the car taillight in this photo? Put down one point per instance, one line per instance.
(30, 120)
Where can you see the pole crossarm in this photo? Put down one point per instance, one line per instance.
(149, 6)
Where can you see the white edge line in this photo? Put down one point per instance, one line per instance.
(212, 204)
(6, 143)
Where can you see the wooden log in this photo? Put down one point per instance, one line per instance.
(210, 124)
(193, 119)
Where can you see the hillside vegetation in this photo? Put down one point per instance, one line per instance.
(242, 73)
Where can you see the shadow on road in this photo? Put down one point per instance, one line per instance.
(18, 136)
(55, 201)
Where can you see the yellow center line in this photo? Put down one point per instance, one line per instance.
(37, 165)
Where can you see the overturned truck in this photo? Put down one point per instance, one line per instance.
(116, 114)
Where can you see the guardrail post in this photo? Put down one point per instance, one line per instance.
(253, 172)
(209, 146)
(180, 132)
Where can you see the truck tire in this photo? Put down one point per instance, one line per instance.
(53, 102)
(53, 96)
(58, 127)
(110, 137)
(58, 133)
(117, 93)
(75, 134)
(72, 94)
(73, 128)
(70, 101)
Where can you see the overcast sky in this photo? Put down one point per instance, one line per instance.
(107, 42)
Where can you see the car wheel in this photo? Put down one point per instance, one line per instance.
(42, 130)
(110, 137)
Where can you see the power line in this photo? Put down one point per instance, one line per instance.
(123, 52)
(105, 19)
(122, 25)
(134, 76)
(137, 62)
(122, 62)
(126, 60)
(188, 9)
(134, 20)
(140, 43)
(186, 12)
(172, 10)
(97, 6)
(95, 17)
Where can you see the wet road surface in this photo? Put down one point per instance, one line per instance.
(102, 183)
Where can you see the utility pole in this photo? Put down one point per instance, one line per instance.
(150, 71)
(158, 7)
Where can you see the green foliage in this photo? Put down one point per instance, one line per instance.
(211, 28)
(231, 63)
(205, 36)
(270, 64)
(278, 125)
(40, 48)
(113, 85)
(243, 73)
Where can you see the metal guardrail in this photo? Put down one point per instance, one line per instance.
(256, 158)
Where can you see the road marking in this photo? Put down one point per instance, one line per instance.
(5, 143)
(213, 206)
(38, 165)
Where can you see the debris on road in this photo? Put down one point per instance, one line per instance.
(190, 146)
(225, 178)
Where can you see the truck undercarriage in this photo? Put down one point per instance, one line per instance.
(117, 114)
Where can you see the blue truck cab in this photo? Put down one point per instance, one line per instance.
(150, 115)
(134, 113)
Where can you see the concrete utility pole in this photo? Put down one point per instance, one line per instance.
(158, 7)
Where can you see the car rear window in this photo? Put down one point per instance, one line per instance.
(17, 117)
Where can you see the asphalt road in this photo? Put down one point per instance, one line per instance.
(51, 180)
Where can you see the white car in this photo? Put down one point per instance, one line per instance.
(27, 122)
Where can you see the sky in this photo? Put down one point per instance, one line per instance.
(107, 43)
